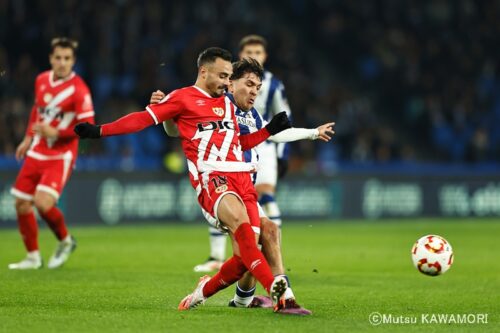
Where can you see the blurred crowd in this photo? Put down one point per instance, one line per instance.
(404, 80)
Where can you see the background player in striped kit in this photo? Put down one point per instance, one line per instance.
(62, 99)
(273, 156)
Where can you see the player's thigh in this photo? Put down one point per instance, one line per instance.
(27, 179)
(231, 212)
(213, 221)
(55, 175)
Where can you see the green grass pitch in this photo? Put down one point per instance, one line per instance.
(131, 278)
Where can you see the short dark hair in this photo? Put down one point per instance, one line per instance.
(64, 42)
(245, 66)
(211, 54)
(251, 40)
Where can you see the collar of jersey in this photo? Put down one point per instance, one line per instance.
(59, 81)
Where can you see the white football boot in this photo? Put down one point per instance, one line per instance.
(196, 298)
(61, 255)
(32, 261)
(277, 292)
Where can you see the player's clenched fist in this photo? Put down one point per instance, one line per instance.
(88, 131)
(156, 97)
(279, 123)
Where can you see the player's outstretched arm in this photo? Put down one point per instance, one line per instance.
(131, 123)
(323, 132)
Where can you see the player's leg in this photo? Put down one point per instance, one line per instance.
(266, 181)
(231, 209)
(268, 202)
(217, 242)
(23, 190)
(237, 216)
(47, 193)
(244, 297)
(271, 248)
(245, 288)
(233, 214)
(29, 231)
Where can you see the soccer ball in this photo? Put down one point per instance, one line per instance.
(432, 255)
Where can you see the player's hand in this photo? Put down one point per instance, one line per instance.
(326, 132)
(88, 131)
(156, 97)
(45, 130)
(23, 148)
(282, 167)
(279, 123)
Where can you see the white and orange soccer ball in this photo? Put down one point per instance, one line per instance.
(432, 255)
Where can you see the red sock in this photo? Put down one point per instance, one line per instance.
(55, 219)
(29, 230)
(252, 258)
(230, 272)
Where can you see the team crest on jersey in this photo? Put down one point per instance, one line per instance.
(220, 189)
(47, 97)
(218, 111)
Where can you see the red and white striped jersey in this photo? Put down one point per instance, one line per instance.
(61, 104)
(207, 127)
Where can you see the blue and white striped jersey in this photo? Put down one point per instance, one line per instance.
(271, 100)
(249, 122)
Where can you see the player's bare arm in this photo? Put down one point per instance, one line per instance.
(23, 147)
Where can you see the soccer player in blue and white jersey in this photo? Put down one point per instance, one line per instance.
(273, 163)
(244, 86)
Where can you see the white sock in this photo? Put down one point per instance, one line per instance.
(67, 239)
(217, 244)
(35, 255)
(271, 208)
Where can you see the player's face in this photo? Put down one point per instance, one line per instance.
(217, 77)
(62, 61)
(245, 90)
(254, 51)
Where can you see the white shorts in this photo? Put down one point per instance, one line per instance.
(214, 222)
(268, 164)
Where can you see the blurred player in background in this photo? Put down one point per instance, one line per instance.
(62, 99)
(273, 156)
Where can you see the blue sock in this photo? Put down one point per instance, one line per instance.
(243, 298)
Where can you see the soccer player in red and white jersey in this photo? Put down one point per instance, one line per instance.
(50, 146)
(213, 146)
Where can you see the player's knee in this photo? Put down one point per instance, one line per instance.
(43, 203)
(23, 206)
